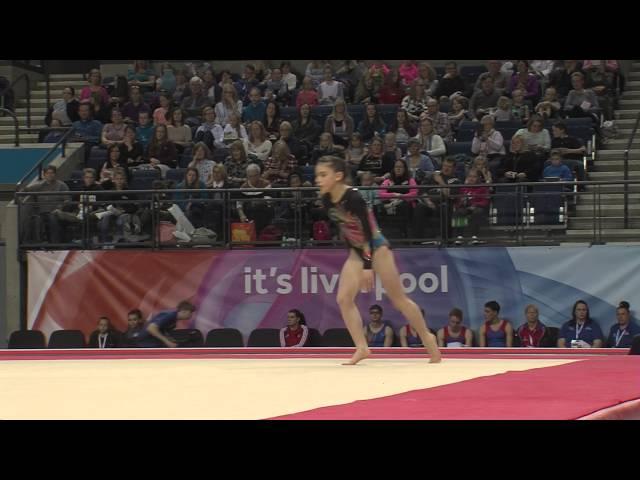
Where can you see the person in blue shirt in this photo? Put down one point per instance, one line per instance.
(557, 168)
(378, 333)
(585, 332)
(86, 129)
(256, 108)
(622, 333)
(144, 130)
(157, 332)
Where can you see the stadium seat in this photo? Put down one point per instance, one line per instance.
(456, 148)
(187, 337)
(547, 205)
(176, 174)
(264, 337)
(337, 337)
(224, 337)
(471, 72)
(289, 114)
(315, 338)
(143, 179)
(27, 339)
(67, 339)
(506, 207)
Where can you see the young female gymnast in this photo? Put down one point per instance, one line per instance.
(367, 248)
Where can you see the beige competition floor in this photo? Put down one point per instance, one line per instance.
(219, 388)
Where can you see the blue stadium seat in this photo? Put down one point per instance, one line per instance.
(506, 208)
(465, 135)
(471, 72)
(176, 174)
(456, 148)
(308, 173)
(547, 204)
(220, 154)
(290, 114)
(143, 179)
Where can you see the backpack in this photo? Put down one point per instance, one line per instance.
(270, 233)
(321, 230)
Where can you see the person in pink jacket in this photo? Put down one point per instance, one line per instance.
(473, 205)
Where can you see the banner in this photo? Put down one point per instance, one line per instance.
(255, 288)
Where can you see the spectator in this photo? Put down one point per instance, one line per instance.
(181, 90)
(247, 82)
(307, 95)
(377, 162)
(440, 120)
(580, 102)
(88, 204)
(542, 68)
(427, 74)
(549, 107)
(86, 129)
(141, 75)
(399, 202)
(378, 334)
(157, 332)
(494, 331)
(493, 72)
(161, 113)
(536, 137)
(253, 209)
(622, 333)
(603, 85)
(459, 112)
(329, 90)
(481, 164)
(43, 206)
(95, 87)
(355, 151)
(339, 124)
(121, 206)
(503, 113)
(519, 165)
(306, 129)
(378, 71)
(255, 110)
(391, 146)
(403, 127)
(561, 78)
(608, 65)
(271, 121)
(201, 162)
(144, 130)
(315, 71)
(372, 124)
(289, 78)
(135, 324)
(258, 145)
(131, 110)
(370, 196)
(167, 80)
(455, 334)
(210, 131)
(486, 98)
(557, 168)
(64, 110)
(532, 333)
(326, 147)
(409, 336)
(520, 108)
(416, 102)
(281, 164)
(162, 152)
(391, 92)
(524, 80)
(418, 162)
(488, 141)
(408, 72)
(114, 160)
(191, 202)
(298, 150)
(113, 133)
(179, 133)
(212, 90)
(366, 91)
(296, 333)
(571, 149)
(236, 164)
(228, 105)
(451, 82)
(197, 100)
(132, 151)
(105, 336)
(234, 130)
(54, 134)
(430, 142)
(580, 331)
(473, 205)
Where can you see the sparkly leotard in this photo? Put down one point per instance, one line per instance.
(358, 226)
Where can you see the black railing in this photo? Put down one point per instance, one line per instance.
(28, 177)
(27, 80)
(626, 171)
(517, 214)
(16, 125)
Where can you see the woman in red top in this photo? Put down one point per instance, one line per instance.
(307, 93)
(391, 91)
(296, 333)
(472, 204)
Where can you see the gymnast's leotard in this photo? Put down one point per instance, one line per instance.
(358, 226)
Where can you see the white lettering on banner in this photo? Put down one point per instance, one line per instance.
(427, 282)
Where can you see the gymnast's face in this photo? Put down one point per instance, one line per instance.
(327, 178)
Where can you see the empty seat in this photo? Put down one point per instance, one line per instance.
(176, 174)
(142, 179)
(289, 114)
(506, 206)
(337, 337)
(465, 135)
(547, 204)
(471, 72)
(550, 338)
(27, 339)
(456, 148)
(315, 338)
(264, 337)
(224, 337)
(221, 154)
(67, 339)
(187, 337)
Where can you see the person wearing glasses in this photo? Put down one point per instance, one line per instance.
(378, 333)
(416, 102)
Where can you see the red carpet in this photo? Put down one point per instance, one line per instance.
(563, 392)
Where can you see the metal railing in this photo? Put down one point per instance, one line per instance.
(16, 125)
(517, 214)
(626, 171)
(27, 80)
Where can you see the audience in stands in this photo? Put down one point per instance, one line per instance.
(228, 105)
(162, 152)
(257, 211)
(366, 91)
(201, 161)
(557, 169)
(399, 202)
(416, 101)
(390, 145)
(257, 146)
(105, 336)
(161, 113)
(210, 131)
(500, 79)
(190, 202)
(135, 324)
(297, 149)
(495, 332)
(455, 334)
(473, 206)
(621, 333)
(339, 124)
(520, 108)
(459, 112)
(403, 127)
(113, 133)
(533, 332)
(86, 129)
(236, 164)
(141, 75)
(179, 133)
(524, 80)
(503, 111)
(132, 151)
(427, 74)
(288, 76)
(234, 130)
(307, 95)
(487, 141)
(430, 142)
(272, 120)
(64, 110)
(114, 160)
(95, 88)
(376, 161)
(131, 110)
(355, 151)
(127, 223)
(561, 78)
(329, 90)
(536, 137)
(520, 165)
(372, 123)
(580, 102)
(549, 107)
(581, 331)
(255, 109)
(408, 72)
(486, 98)
(378, 333)
(451, 82)
(392, 92)
(418, 161)
(280, 165)
(247, 82)
(306, 129)
(440, 120)
(181, 89)
(296, 333)
(315, 71)
(196, 101)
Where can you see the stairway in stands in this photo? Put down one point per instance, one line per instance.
(609, 165)
(38, 106)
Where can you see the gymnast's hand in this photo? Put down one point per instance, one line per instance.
(366, 285)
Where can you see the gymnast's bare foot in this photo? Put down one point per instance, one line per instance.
(433, 350)
(360, 354)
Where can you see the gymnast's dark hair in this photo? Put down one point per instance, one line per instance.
(300, 315)
(336, 164)
(624, 305)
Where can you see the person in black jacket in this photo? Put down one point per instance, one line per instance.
(105, 336)
(135, 323)
(451, 82)
(121, 206)
(519, 165)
